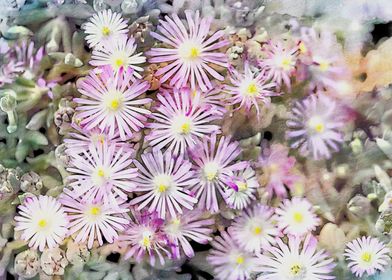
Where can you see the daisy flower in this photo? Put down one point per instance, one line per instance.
(314, 126)
(144, 237)
(163, 180)
(214, 99)
(43, 222)
(189, 51)
(112, 102)
(188, 226)
(93, 219)
(366, 254)
(102, 172)
(242, 187)
(254, 230)
(278, 169)
(279, 62)
(293, 261)
(296, 217)
(105, 27)
(249, 88)
(179, 122)
(119, 53)
(229, 261)
(214, 165)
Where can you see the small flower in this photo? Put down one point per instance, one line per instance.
(254, 230)
(296, 217)
(94, 219)
(164, 178)
(180, 122)
(229, 261)
(214, 99)
(249, 88)
(145, 236)
(42, 221)
(119, 54)
(112, 102)
(291, 262)
(27, 264)
(105, 27)
(366, 254)
(242, 188)
(279, 62)
(314, 126)
(185, 227)
(214, 167)
(102, 172)
(189, 52)
(53, 261)
(278, 169)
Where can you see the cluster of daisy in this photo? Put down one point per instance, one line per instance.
(151, 170)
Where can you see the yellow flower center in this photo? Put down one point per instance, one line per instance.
(366, 257)
(162, 183)
(295, 269)
(182, 125)
(119, 62)
(105, 31)
(257, 230)
(100, 172)
(252, 89)
(194, 53)
(185, 128)
(302, 48)
(146, 241)
(240, 260)
(189, 51)
(242, 186)
(42, 223)
(95, 210)
(316, 124)
(323, 65)
(211, 170)
(298, 217)
(286, 63)
(114, 104)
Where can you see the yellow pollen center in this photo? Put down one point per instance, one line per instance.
(302, 48)
(162, 183)
(101, 139)
(95, 210)
(298, 217)
(319, 127)
(100, 172)
(105, 31)
(242, 186)
(240, 260)
(119, 62)
(316, 125)
(42, 223)
(175, 221)
(252, 89)
(323, 66)
(295, 269)
(146, 241)
(286, 63)
(162, 188)
(194, 52)
(114, 104)
(257, 230)
(185, 128)
(211, 171)
(366, 257)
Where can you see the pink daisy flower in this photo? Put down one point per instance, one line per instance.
(145, 237)
(112, 102)
(163, 180)
(279, 62)
(214, 165)
(189, 51)
(119, 54)
(188, 226)
(230, 262)
(315, 126)
(180, 122)
(278, 168)
(93, 219)
(366, 255)
(249, 88)
(293, 261)
(102, 172)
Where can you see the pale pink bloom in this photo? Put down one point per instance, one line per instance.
(367, 255)
(315, 126)
(293, 261)
(190, 226)
(93, 219)
(145, 237)
(179, 122)
(249, 88)
(189, 51)
(112, 102)
(214, 162)
(255, 229)
(119, 54)
(230, 262)
(102, 172)
(278, 169)
(43, 222)
(163, 179)
(214, 98)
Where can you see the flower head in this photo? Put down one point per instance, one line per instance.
(189, 51)
(43, 222)
(229, 260)
(255, 230)
(366, 254)
(315, 126)
(214, 165)
(93, 219)
(293, 261)
(105, 27)
(164, 180)
(119, 53)
(296, 217)
(112, 102)
(180, 122)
